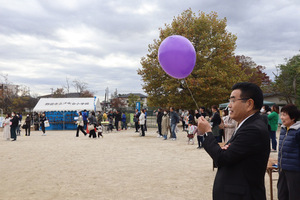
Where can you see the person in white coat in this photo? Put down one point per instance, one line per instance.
(142, 122)
(6, 125)
(80, 125)
(229, 126)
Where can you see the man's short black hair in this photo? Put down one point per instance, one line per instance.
(251, 91)
(292, 111)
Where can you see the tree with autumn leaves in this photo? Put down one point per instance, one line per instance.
(287, 82)
(215, 71)
(255, 72)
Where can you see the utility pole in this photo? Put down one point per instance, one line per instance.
(106, 98)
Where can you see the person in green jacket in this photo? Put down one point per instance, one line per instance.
(273, 122)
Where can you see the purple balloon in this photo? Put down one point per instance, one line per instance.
(177, 56)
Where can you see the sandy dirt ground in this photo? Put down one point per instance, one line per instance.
(121, 165)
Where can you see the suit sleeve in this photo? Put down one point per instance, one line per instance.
(246, 143)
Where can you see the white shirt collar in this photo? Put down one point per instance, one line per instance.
(242, 123)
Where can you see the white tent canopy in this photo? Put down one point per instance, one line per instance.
(67, 104)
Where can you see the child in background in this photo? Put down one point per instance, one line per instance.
(192, 130)
(99, 130)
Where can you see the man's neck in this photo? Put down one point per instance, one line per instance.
(252, 112)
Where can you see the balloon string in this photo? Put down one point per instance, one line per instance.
(191, 94)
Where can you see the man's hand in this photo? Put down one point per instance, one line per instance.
(225, 147)
(203, 125)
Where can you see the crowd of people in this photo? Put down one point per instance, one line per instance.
(246, 128)
(12, 125)
(223, 126)
(168, 119)
(90, 123)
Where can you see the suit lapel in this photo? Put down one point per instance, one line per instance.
(232, 137)
(236, 132)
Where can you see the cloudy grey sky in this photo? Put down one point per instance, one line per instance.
(99, 42)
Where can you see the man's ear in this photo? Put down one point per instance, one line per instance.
(250, 104)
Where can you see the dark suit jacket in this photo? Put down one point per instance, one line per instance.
(14, 121)
(242, 167)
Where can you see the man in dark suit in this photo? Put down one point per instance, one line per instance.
(13, 126)
(242, 162)
(159, 116)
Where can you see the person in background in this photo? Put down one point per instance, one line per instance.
(13, 126)
(124, 124)
(27, 125)
(80, 125)
(202, 112)
(229, 125)
(192, 130)
(159, 115)
(85, 118)
(99, 117)
(99, 130)
(186, 120)
(110, 117)
(183, 116)
(197, 115)
(42, 123)
(92, 121)
(174, 121)
(145, 119)
(216, 121)
(221, 126)
(264, 116)
(110, 121)
(117, 120)
(136, 120)
(142, 122)
(165, 124)
(18, 130)
(104, 116)
(6, 127)
(273, 122)
(199, 139)
(266, 109)
(191, 119)
(289, 154)
(199, 136)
